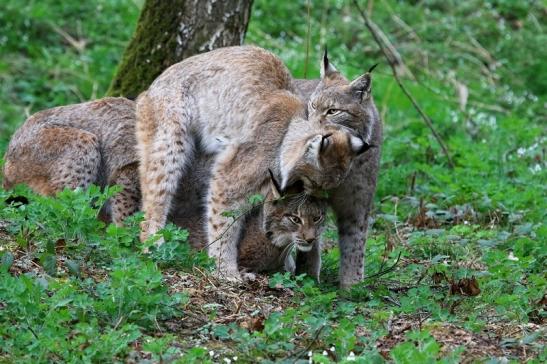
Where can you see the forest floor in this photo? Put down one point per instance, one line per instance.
(455, 262)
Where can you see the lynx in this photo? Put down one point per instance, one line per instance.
(75, 146)
(290, 220)
(236, 103)
(336, 101)
(285, 221)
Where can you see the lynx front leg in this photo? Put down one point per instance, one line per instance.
(223, 232)
(352, 202)
(164, 147)
(236, 175)
(309, 262)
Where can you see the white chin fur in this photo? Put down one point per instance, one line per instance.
(303, 248)
(356, 143)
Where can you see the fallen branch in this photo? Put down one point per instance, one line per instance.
(388, 53)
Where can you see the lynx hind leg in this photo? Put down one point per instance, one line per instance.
(164, 147)
(126, 202)
(309, 262)
(58, 157)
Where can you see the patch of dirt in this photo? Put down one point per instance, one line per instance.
(214, 301)
(495, 340)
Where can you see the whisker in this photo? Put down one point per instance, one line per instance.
(287, 250)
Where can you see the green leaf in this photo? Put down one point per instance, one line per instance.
(73, 267)
(6, 261)
(49, 262)
(256, 199)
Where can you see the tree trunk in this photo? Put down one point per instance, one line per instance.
(169, 31)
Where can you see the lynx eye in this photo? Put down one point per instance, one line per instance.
(295, 219)
(313, 105)
(318, 219)
(332, 112)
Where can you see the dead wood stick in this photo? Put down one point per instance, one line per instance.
(373, 28)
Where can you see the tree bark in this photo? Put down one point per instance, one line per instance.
(169, 31)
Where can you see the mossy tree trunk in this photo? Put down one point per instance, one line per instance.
(169, 31)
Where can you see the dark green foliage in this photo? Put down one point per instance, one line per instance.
(100, 293)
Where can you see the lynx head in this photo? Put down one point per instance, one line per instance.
(320, 156)
(338, 101)
(292, 218)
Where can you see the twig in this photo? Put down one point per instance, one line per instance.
(308, 38)
(308, 347)
(387, 48)
(32, 331)
(236, 218)
(389, 55)
(206, 276)
(387, 270)
(79, 45)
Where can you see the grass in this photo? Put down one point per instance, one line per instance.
(73, 289)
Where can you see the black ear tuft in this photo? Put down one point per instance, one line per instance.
(327, 68)
(325, 59)
(295, 188)
(372, 68)
(324, 142)
(275, 183)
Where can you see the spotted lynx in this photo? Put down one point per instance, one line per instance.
(291, 220)
(285, 221)
(75, 146)
(337, 101)
(236, 103)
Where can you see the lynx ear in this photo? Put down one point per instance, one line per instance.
(360, 87)
(274, 186)
(326, 67)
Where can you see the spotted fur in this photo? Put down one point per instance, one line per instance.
(236, 103)
(75, 146)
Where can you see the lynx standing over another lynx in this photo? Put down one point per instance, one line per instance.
(75, 146)
(230, 101)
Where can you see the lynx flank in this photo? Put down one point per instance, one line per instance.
(228, 101)
(75, 146)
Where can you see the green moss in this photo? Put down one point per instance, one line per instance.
(152, 48)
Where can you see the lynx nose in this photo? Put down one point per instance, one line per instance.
(310, 241)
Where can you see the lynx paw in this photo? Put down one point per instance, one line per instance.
(229, 275)
(248, 277)
(147, 230)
